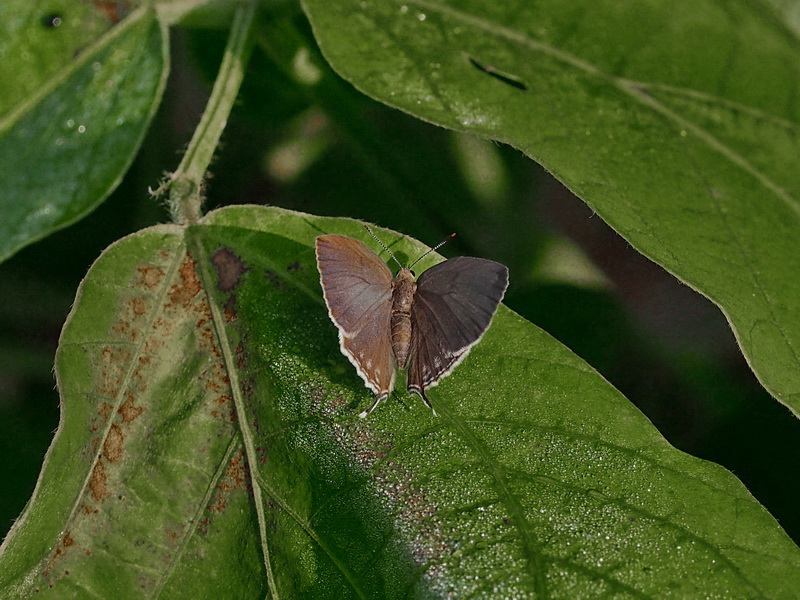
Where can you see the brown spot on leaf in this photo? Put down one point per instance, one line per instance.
(98, 484)
(139, 305)
(189, 286)
(274, 278)
(112, 368)
(240, 355)
(67, 541)
(294, 267)
(230, 269)
(104, 410)
(173, 536)
(129, 411)
(218, 505)
(230, 309)
(150, 276)
(112, 448)
(235, 478)
(112, 10)
(236, 472)
(88, 509)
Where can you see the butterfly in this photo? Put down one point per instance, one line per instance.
(387, 323)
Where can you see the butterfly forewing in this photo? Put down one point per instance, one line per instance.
(357, 286)
(453, 307)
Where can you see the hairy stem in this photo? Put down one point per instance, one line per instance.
(186, 183)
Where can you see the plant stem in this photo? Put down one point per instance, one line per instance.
(186, 183)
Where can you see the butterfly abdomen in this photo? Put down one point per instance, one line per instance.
(403, 288)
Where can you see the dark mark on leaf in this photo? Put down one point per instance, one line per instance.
(295, 266)
(230, 269)
(506, 78)
(274, 278)
(52, 20)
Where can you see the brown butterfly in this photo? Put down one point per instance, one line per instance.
(386, 323)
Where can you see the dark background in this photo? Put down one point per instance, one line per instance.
(328, 150)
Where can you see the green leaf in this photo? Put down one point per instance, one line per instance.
(209, 421)
(676, 123)
(87, 91)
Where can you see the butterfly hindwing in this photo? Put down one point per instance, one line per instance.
(357, 286)
(453, 307)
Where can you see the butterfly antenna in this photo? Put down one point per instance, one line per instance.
(434, 249)
(383, 246)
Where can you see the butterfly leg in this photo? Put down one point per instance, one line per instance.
(378, 400)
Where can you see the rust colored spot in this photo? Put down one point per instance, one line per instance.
(209, 341)
(139, 305)
(236, 471)
(112, 448)
(172, 536)
(113, 10)
(150, 276)
(88, 509)
(98, 484)
(104, 410)
(218, 505)
(240, 356)
(189, 286)
(112, 368)
(152, 345)
(230, 269)
(204, 524)
(67, 541)
(230, 309)
(129, 411)
(295, 266)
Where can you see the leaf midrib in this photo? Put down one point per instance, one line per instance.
(629, 87)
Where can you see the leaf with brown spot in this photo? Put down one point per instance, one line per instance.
(229, 268)
(76, 105)
(204, 445)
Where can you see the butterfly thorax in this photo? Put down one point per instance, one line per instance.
(403, 289)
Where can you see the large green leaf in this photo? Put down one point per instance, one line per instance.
(84, 92)
(676, 122)
(209, 421)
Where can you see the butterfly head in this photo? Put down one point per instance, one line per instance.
(404, 275)
(408, 268)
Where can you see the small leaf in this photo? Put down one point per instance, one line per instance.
(675, 122)
(209, 437)
(87, 91)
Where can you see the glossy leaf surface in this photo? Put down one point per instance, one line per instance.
(209, 436)
(676, 122)
(85, 89)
